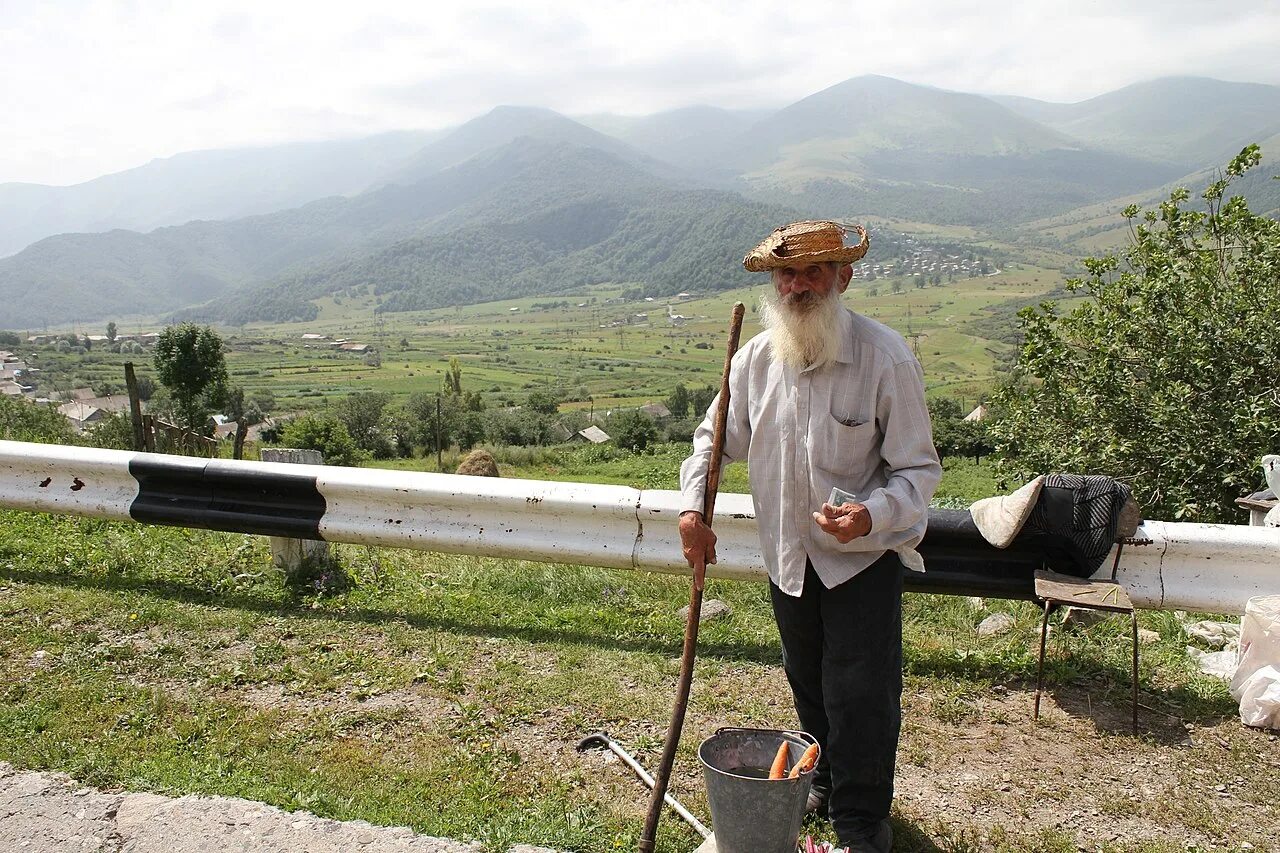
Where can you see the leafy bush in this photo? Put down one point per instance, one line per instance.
(21, 420)
(632, 429)
(518, 427)
(114, 432)
(1166, 376)
(326, 434)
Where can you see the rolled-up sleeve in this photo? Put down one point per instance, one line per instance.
(907, 449)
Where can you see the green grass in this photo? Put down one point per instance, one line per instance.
(446, 693)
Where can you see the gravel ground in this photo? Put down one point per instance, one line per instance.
(49, 813)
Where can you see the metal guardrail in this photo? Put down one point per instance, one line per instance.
(1206, 567)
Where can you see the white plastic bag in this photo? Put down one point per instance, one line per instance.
(1218, 664)
(1256, 685)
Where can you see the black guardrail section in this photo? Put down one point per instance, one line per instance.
(217, 495)
(958, 561)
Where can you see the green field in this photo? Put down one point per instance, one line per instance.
(589, 347)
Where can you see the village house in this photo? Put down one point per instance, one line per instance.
(80, 414)
(657, 411)
(593, 434)
(223, 426)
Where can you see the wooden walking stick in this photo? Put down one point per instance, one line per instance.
(663, 776)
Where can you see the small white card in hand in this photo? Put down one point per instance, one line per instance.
(840, 497)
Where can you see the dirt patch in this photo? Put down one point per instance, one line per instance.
(1001, 773)
(414, 700)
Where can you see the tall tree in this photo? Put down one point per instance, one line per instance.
(1166, 375)
(453, 379)
(678, 402)
(190, 364)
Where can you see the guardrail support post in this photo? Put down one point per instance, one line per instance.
(301, 560)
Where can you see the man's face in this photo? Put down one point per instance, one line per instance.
(803, 286)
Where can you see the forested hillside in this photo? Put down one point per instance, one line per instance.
(564, 216)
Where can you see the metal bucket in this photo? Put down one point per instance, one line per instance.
(751, 813)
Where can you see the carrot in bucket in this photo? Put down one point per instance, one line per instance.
(806, 762)
(779, 768)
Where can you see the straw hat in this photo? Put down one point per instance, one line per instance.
(808, 242)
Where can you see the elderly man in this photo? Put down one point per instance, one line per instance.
(827, 398)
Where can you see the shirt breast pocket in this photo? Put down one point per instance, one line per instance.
(851, 444)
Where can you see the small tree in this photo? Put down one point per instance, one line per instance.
(700, 400)
(362, 415)
(543, 402)
(236, 407)
(264, 400)
(678, 402)
(111, 332)
(633, 429)
(189, 362)
(1166, 376)
(453, 379)
(326, 434)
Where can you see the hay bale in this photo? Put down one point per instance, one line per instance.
(478, 463)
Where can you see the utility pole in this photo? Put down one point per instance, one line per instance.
(914, 336)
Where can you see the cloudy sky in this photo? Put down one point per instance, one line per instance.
(93, 87)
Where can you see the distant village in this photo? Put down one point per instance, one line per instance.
(80, 406)
(934, 264)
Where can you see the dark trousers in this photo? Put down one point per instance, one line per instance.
(842, 652)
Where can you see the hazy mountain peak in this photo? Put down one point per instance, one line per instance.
(499, 127)
(1194, 122)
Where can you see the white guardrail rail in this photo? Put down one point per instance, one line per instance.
(1206, 567)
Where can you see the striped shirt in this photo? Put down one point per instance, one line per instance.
(859, 423)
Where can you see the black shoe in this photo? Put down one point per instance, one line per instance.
(817, 802)
(877, 840)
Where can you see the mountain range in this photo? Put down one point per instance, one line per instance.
(527, 201)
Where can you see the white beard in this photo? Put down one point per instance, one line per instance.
(802, 332)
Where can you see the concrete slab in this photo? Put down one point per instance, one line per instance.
(49, 813)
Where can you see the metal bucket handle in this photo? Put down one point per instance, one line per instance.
(801, 736)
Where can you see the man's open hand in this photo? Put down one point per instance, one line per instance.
(699, 541)
(845, 522)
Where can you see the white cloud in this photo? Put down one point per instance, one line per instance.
(92, 86)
